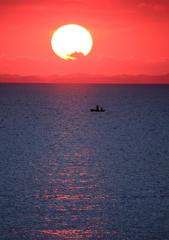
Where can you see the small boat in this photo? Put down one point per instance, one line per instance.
(97, 109)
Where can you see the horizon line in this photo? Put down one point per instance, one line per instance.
(86, 79)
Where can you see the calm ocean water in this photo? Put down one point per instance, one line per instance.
(68, 173)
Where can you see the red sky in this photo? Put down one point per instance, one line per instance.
(130, 36)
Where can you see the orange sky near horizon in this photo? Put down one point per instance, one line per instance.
(130, 37)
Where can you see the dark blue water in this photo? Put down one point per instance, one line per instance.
(68, 173)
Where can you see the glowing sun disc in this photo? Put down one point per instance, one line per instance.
(71, 39)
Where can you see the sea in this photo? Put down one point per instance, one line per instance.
(67, 173)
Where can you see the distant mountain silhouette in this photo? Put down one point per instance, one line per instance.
(87, 78)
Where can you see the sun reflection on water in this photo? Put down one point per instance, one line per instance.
(73, 233)
(76, 196)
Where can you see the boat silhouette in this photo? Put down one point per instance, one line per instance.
(97, 109)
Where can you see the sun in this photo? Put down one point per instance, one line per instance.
(70, 40)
